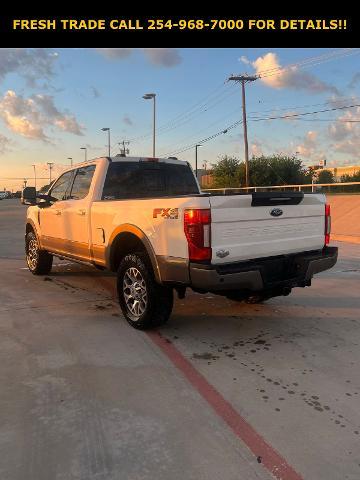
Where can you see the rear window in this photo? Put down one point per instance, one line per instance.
(126, 180)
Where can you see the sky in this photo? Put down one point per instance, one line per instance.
(55, 101)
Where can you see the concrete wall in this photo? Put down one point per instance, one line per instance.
(345, 217)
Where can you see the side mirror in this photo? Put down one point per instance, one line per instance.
(28, 196)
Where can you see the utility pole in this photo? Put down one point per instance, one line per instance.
(34, 175)
(50, 164)
(124, 150)
(196, 160)
(243, 79)
(71, 161)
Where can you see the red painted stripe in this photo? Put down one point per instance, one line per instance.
(270, 458)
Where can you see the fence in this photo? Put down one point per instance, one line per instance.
(338, 187)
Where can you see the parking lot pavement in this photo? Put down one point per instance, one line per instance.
(84, 396)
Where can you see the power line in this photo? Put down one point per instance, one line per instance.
(224, 131)
(328, 120)
(310, 62)
(186, 117)
(237, 110)
(203, 105)
(255, 119)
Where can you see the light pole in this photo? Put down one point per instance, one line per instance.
(244, 79)
(107, 129)
(149, 96)
(196, 160)
(85, 151)
(34, 175)
(50, 164)
(71, 160)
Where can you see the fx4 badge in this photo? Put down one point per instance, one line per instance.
(172, 213)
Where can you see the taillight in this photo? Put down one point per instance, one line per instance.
(197, 230)
(327, 224)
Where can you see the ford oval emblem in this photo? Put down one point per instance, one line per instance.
(276, 212)
(222, 253)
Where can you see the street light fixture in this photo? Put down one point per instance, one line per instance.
(107, 129)
(196, 160)
(85, 150)
(152, 96)
(71, 160)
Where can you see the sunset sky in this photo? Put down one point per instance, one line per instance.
(54, 101)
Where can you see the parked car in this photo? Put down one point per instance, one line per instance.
(147, 220)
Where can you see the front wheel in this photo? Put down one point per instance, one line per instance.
(144, 303)
(38, 261)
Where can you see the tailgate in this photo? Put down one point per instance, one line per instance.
(265, 224)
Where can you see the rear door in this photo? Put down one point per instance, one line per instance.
(265, 224)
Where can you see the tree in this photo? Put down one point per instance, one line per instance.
(325, 176)
(277, 170)
(355, 177)
(264, 171)
(227, 172)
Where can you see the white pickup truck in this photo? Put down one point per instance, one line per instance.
(147, 220)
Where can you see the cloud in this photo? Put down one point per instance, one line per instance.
(355, 80)
(345, 133)
(29, 117)
(115, 53)
(344, 126)
(95, 92)
(256, 149)
(307, 148)
(32, 64)
(160, 57)
(273, 75)
(163, 57)
(4, 144)
(245, 60)
(127, 120)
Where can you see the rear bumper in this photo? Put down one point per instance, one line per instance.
(264, 273)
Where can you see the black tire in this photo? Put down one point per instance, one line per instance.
(38, 261)
(144, 303)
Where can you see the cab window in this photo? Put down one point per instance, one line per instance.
(61, 188)
(82, 182)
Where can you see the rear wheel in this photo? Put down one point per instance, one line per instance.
(38, 261)
(144, 303)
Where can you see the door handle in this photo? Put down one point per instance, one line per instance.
(81, 212)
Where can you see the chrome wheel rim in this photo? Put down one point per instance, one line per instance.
(32, 254)
(135, 292)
